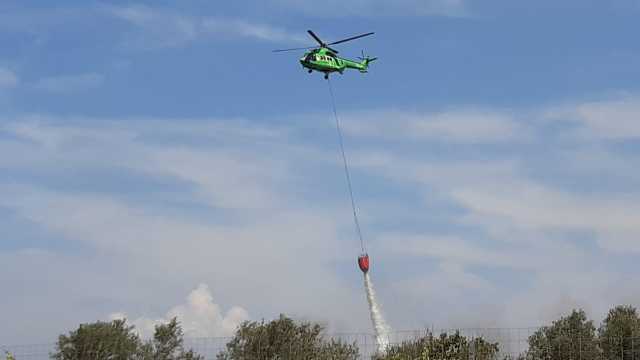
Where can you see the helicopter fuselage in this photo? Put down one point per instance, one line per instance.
(324, 60)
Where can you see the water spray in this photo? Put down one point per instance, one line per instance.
(380, 327)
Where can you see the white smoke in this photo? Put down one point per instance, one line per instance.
(379, 325)
(199, 317)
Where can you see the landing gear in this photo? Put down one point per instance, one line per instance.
(326, 76)
(310, 71)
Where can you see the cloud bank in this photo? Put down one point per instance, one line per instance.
(167, 28)
(516, 214)
(380, 8)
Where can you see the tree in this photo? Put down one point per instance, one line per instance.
(99, 341)
(620, 333)
(444, 347)
(285, 339)
(117, 340)
(570, 337)
(167, 344)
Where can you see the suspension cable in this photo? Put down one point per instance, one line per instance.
(346, 167)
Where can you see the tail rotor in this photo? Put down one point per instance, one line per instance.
(366, 60)
(363, 57)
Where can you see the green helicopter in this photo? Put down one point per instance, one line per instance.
(325, 59)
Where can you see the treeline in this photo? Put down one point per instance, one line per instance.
(576, 337)
(117, 340)
(572, 337)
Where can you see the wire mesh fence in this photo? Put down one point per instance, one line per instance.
(512, 344)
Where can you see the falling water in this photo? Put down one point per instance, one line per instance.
(379, 325)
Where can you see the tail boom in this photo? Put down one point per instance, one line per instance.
(361, 66)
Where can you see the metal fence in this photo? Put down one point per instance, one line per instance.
(513, 344)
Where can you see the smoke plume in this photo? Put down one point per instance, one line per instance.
(200, 316)
(379, 325)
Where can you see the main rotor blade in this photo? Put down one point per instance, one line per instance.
(313, 35)
(303, 48)
(351, 38)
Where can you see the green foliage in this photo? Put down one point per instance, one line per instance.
(167, 344)
(117, 340)
(574, 337)
(620, 333)
(444, 347)
(100, 340)
(520, 356)
(285, 339)
(570, 337)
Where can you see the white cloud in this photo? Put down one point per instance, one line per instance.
(70, 83)
(246, 183)
(534, 207)
(165, 28)
(377, 8)
(455, 251)
(225, 178)
(246, 29)
(8, 79)
(199, 317)
(463, 126)
(226, 203)
(614, 119)
(243, 238)
(499, 198)
(496, 191)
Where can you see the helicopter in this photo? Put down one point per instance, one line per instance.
(325, 59)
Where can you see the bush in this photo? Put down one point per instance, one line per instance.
(443, 347)
(117, 340)
(285, 339)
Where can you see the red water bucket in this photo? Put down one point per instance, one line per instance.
(363, 262)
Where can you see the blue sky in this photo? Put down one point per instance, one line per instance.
(156, 159)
